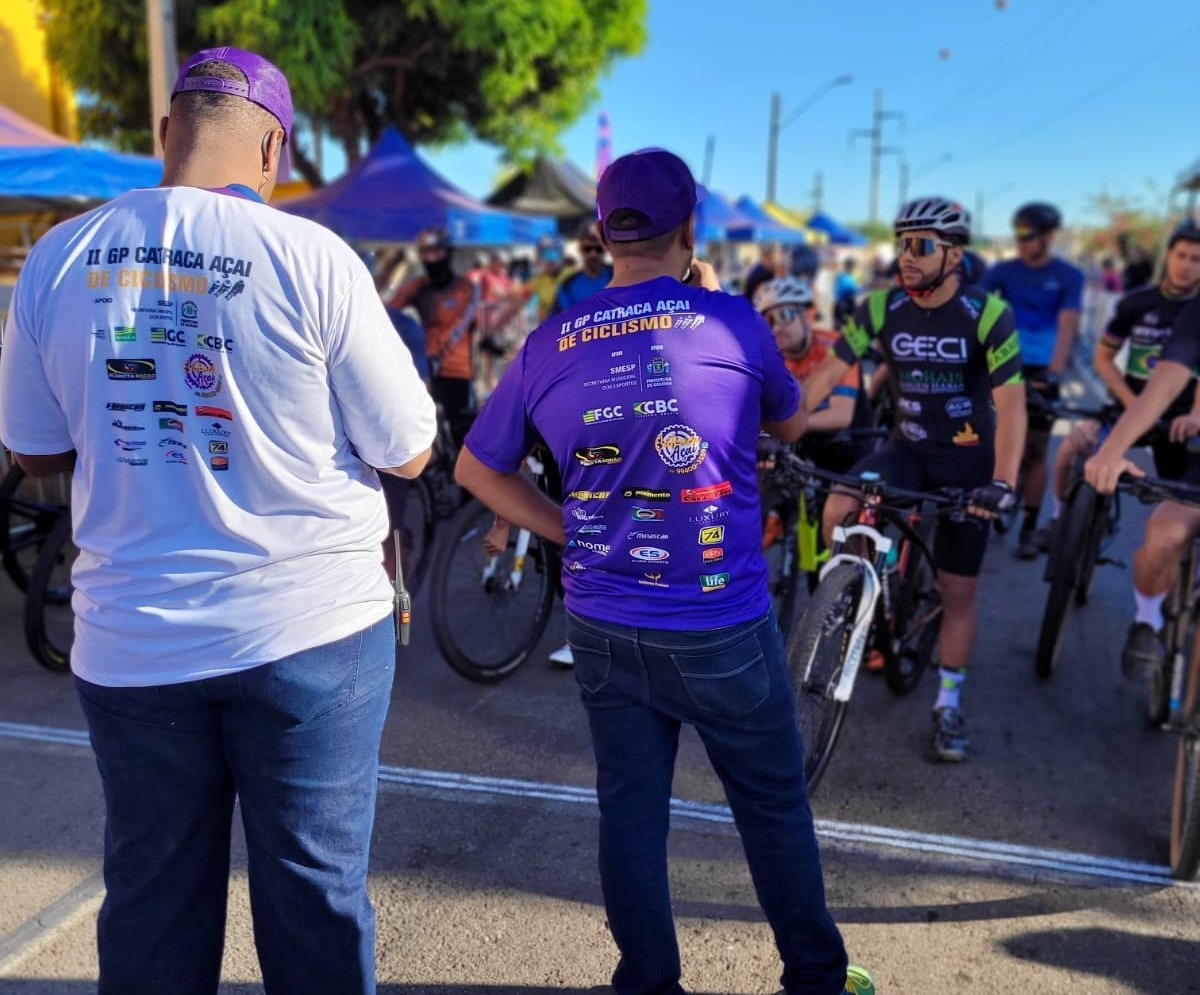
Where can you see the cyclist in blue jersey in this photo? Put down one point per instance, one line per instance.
(1046, 296)
(592, 277)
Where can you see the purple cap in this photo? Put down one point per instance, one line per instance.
(656, 183)
(266, 85)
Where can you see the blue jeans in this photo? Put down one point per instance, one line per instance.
(297, 741)
(732, 684)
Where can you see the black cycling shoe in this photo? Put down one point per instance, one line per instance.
(1143, 653)
(949, 735)
(1027, 545)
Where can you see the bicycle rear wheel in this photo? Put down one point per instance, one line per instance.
(411, 512)
(1070, 539)
(29, 509)
(1185, 808)
(783, 562)
(816, 653)
(918, 615)
(489, 614)
(49, 619)
(1091, 557)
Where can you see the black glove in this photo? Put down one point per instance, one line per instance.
(995, 497)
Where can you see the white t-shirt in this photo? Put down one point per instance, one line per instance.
(228, 377)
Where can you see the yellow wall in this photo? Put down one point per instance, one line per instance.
(31, 86)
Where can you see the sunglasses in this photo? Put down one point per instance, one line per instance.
(1025, 235)
(920, 246)
(589, 249)
(783, 315)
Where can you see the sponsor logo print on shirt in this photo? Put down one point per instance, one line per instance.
(650, 554)
(648, 536)
(932, 381)
(714, 554)
(167, 336)
(966, 436)
(582, 515)
(910, 407)
(175, 456)
(200, 374)
(189, 311)
(680, 448)
(218, 447)
(219, 462)
(123, 333)
(216, 429)
(598, 455)
(710, 493)
(214, 342)
(171, 424)
(170, 407)
(588, 495)
(602, 548)
(645, 494)
(129, 445)
(712, 535)
(133, 460)
(121, 406)
(652, 580)
(935, 348)
(658, 372)
(959, 407)
(912, 431)
(131, 369)
(598, 416)
(710, 513)
(117, 423)
(592, 529)
(171, 442)
(648, 514)
(660, 406)
(713, 582)
(207, 411)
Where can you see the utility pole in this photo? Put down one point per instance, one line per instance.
(773, 146)
(710, 148)
(818, 192)
(878, 150)
(164, 63)
(903, 181)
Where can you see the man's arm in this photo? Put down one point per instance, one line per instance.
(1166, 383)
(512, 496)
(46, 466)
(790, 429)
(819, 386)
(1068, 330)
(1185, 426)
(1009, 400)
(410, 469)
(1106, 366)
(838, 415)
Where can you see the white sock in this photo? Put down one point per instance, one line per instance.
(1055, 505)
(1149, 609)
(949, 687)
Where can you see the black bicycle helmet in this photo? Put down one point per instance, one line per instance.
(434, 238)
(946, 217)
(804, 262)
(1186, 231)
(1039, 216)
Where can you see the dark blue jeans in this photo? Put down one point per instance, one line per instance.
(639, 686)
(297, 741)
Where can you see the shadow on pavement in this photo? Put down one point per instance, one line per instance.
(1134, 959)
(44, 986)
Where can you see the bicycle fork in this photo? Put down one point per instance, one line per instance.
(865, 613)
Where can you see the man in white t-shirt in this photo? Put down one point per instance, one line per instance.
(223, 380)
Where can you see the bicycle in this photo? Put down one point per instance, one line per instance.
(875, 591)
(29, 509)
(1173, 689)
(1087, 527)
(49, 619)
(490, 612)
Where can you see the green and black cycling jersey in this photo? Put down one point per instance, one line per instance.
(944, 362)
(1145, 319)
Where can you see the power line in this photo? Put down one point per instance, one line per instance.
(1090, 95)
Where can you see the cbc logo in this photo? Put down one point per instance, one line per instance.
(657, 407)
(215, 343)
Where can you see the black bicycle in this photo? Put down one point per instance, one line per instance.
(48, 616)
(878, 590)
(29, 509)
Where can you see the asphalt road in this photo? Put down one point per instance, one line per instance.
(1037, 866)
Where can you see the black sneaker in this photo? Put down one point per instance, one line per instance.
(949, 735)
(1143, 653)
(1027, 545)
(1044, 537)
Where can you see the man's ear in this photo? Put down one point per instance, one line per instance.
(272, 149)
(162, 133)
(689, 233)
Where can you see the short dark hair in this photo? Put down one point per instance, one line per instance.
(205, 107)
(627, 219)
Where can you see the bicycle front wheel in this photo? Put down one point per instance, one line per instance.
(1185, 808)
(816, 654)
(49, 619)
(1070, 541)
(917, 621)
(29, 509)
(489, 612)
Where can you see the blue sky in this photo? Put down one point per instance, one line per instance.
(1047, 99)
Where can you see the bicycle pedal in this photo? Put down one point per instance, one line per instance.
(1110, 561)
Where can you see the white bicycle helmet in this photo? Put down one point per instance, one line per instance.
(783, 290)
(946, 217)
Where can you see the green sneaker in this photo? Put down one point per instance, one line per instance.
(858, 981)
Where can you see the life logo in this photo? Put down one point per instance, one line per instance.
(598, 416)
(935, 348)
(167, 336)
(712, 535)
(660, 406)
(648, 514)
(713, 582)
(215, 343)
(650, 554)
(680, 448)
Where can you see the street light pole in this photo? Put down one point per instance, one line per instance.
(778, 123)
(160, 45)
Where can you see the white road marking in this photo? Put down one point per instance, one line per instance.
(55, 919)
(991, 852)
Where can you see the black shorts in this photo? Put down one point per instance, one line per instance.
(1172, 461)
(1040, 420)
(958, 547)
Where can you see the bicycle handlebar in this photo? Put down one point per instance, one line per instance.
(1150, 490)
(948, 500)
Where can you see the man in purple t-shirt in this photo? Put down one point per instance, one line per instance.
(651, 394)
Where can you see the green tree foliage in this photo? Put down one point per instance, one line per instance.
(511, 72)
(1125, 224)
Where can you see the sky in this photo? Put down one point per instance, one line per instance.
(1002, 102)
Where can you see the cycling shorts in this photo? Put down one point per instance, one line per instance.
(1172, 461)
(1040, 420)
(958, 547)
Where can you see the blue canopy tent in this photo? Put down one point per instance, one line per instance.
(838, 233)
(767, 229)
(718, 220)
(69, 177)
(391, 195)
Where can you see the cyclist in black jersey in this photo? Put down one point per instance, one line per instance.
(1142, 323)
(955, 364)
(1172, 526)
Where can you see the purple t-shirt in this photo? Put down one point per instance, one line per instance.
(650, 398)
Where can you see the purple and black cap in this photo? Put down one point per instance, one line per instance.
(265, 83)
(655, 183)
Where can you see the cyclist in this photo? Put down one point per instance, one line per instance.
(953, 355)
(448, 305)
(593, 276)
(1171, 526)
(1046, 295)
(1143, 319)
(845, 293)
(543, 285)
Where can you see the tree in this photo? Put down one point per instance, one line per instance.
(1126, 224)
(510, 72)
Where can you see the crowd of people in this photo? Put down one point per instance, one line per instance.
(234, 632)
